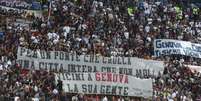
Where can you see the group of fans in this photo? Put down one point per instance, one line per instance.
(100, 27)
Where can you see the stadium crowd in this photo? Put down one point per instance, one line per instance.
(101, 27)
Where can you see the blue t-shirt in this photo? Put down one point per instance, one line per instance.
(1, 35)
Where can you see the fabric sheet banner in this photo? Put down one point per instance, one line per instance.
(37, 13)
(69, 62)
(106, 84)
(194, 68)
(170, 47)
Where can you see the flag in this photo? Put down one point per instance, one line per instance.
(49, 10)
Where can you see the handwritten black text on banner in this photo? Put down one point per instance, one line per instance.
(63, 61)
(105, 83)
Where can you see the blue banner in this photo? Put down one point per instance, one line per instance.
(170, 47)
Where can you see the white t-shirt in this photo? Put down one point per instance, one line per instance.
(35, 88)
(126, 34)
(34, 39)
(147, 11)
(65, 8)
(56, 39)
(120, 99)
(1, 67)
(174, 95)
(147, 28)
(74, 98)
(50, 35)
(35, 99)
(16, 98)
(9, 62)
(66, 29)
(105, 99)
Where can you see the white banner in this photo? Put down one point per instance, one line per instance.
(106, 84)
(170, 47)
(194, 68)
(64, 61)
(35, 12)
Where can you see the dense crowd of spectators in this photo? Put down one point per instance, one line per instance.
(177, 83)
(101, 27)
